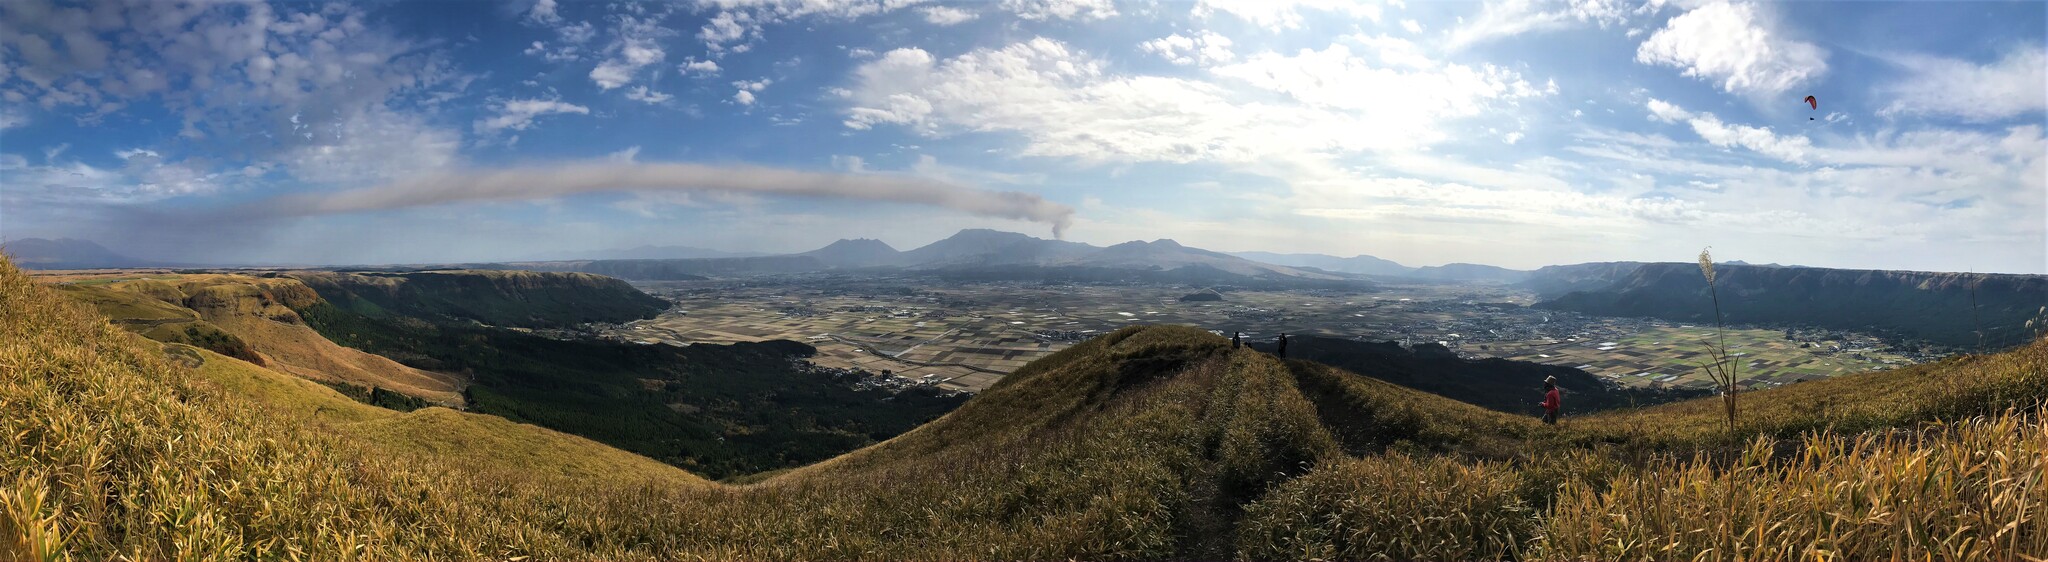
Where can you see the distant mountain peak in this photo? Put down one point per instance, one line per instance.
(856, 252)
(63, 253)
(868, 243)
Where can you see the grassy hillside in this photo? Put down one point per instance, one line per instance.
(1148, 443)
(251, 318)
(525, 299)
(117, 450)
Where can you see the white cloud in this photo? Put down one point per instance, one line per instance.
(1065, 104)
(947, 15)
(1392, 97)
(1661, 110)
(576, 33)
(519, 114)
(1511, 138)
(1934, 191)
(372, 146)
(540, 49)
(644, 95)
(743, 97)
(637, 44)
(543, 13)
(726, 27)
(143, 176)
(1731, 44)
(1280, 15)
(1061, 9)
(1206, 48)
(739, 21)
(1506, 18)
(699, 67)
(1792, 149)
(1412, 26)
(2015, 85)
(284, 82)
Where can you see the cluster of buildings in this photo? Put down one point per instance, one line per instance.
(1064, 335)
(887, 380)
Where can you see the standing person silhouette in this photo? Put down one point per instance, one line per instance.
(1234, 341)
(1281, 349)
(1552, 401)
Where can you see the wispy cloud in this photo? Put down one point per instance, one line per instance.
(2014, 85)
(626, 176)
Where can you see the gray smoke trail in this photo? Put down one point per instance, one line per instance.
(601, 177)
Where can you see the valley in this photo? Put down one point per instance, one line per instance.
(964, 336)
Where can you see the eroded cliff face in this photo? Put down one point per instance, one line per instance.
(1938, 307)
(525, 299)
(218, 296)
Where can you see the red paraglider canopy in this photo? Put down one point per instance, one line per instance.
(1813, 102)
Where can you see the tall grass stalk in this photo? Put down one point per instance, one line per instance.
(1722, 369)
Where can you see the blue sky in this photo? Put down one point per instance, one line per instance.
(1516, 133)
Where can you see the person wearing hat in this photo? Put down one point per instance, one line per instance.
(1552, 402)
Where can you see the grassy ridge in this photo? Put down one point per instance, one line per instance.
(1155, 442)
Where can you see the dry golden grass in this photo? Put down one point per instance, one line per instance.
(255, 309)
(1391, 507)
(1972, 490)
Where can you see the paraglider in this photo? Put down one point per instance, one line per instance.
(1814, 103)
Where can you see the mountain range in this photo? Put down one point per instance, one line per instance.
(983, 247)
(978, 254)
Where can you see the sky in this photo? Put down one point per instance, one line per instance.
(1516, 133)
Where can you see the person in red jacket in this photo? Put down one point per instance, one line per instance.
(1552, 401)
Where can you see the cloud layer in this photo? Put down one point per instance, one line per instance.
(621, 176)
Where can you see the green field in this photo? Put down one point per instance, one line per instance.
(1671, 356)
